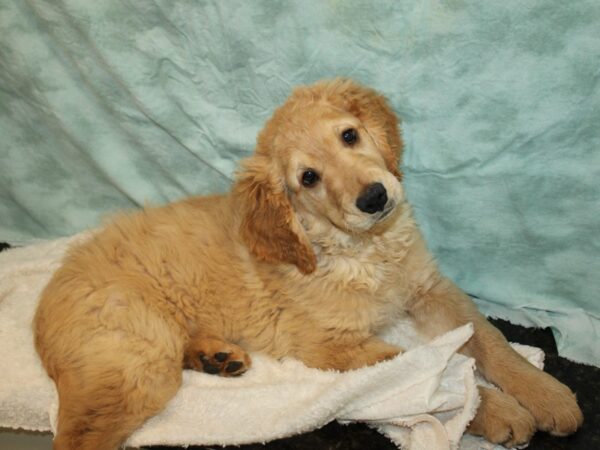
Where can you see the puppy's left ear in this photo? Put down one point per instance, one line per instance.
(378, 117)
(269, 226)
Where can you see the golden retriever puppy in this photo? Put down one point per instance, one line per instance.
(312, 254)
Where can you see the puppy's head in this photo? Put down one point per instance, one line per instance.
(330, 154)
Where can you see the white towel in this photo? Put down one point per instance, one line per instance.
(422, 399)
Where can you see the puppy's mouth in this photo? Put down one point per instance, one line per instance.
(386, 213)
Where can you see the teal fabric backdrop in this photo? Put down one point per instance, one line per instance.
(108, 104)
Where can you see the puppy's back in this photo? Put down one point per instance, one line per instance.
(158, 261)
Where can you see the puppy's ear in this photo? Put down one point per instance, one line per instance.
(378, 117)
(269, 226)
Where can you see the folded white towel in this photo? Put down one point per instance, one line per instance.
(423, 399)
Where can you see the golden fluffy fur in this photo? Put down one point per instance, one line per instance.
(288, 264)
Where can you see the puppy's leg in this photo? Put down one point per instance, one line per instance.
(216, 356)
(501, 420)
(347, 353)
(444, 306)
(114, 367)
(100, 406)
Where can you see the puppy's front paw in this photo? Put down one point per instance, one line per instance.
(553, 404)
(501, 420)
(216, 357)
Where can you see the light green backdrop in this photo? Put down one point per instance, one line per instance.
(107, 104)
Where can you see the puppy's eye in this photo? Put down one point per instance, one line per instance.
(350, 136)
(310, 178)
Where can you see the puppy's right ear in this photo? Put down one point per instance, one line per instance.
(269, 226)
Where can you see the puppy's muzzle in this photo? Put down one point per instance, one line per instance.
(373, 199)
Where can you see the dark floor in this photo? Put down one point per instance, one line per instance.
(583, 380)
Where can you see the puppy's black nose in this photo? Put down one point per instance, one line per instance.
(373, 199)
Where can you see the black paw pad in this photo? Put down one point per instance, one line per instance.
(218, 363)
(221, 356)
(233, 366)
(210, 369)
